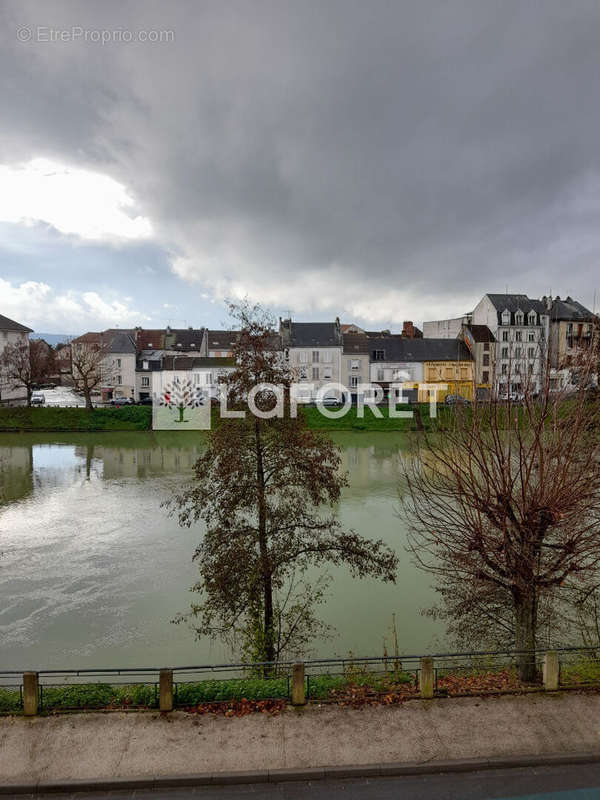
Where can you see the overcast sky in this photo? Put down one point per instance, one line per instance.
(378, 160)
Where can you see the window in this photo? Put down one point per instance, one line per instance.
(505, 369)
(486, 359)
(327, 356)
(532, 318)
(380, 375)
(531, 352)
(485, 376)
(505, 336)
(303, 375)
(518, 336)
(118, 363)
(517, 352)
(531, 336)
(303, 357)
(119, 380)
(518, 318)
(505, 352)
(354, 379)
(486, 347)
(145, 381)
(315, 373)
(355, 363)
(531, 369)
(145, 365)
(378, 355)
(327, 373)
(315, 356)
(518, 369)
(506, 317)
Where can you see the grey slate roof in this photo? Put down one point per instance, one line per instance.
(570, 309)
(356, 343)
(315, 334)
(514, 303)
(481, 333)
(221, 340)
(7, 324)
(122, 343)
(402, 349)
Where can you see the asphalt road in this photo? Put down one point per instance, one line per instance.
(574, 782)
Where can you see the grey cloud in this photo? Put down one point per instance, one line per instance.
(445, 147)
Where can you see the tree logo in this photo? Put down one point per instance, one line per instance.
(180, 404)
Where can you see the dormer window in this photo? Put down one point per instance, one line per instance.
(145, 365)
(532, 318)
(519, 318)
(378, 355)
(506, 317)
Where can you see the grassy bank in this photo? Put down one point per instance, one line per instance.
(139, 418)
(127, 418)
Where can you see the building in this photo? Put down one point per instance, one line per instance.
(571, 334)
(202, 372)
(417, 363)
(410, 331)
(11, 333)
(355, 362)
(220, 344)
(185, 340)
(118, 368)
(445, 328)
(481, 343)
(521, 328)
(314, 352)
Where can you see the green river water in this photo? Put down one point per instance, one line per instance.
(92, 569)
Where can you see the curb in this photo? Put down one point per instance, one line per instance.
(299, 774)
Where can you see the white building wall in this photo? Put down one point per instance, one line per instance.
(8, 394)
(317, 365)
(444, 328)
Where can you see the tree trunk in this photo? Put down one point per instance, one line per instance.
(268, 631)
(88, 398)
(525, 630)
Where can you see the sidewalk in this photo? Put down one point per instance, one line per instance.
(125, 745)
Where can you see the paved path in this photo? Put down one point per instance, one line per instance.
(82, 746)
(577, 782)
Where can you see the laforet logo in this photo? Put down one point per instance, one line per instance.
(181, 404)
(178, 397)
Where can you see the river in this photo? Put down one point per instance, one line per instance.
(92, 570)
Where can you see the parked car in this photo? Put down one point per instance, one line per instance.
(38, 398)
(145, 401)
(121, 401)
(456, 400)
(331, 401)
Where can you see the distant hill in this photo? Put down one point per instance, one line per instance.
(53, 338)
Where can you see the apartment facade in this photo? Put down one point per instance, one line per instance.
(521, 327)
(571, 335)
(355, 362)
(11, 333)
(314, 352)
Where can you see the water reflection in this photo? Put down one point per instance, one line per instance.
(93, 570)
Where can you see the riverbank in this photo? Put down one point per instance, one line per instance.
(120, 745)
(139, 418)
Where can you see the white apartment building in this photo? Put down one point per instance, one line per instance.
(11, 333)
(314, 352)
(521, 329)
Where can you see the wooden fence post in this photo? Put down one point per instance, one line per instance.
(298, 686)
(550, 671)
(31, 693)
(165, 687)
(426, 678)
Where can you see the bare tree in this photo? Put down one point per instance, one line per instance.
(26, 364)
(87, 361)
(504, 505)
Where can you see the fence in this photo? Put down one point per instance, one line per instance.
(394, 678)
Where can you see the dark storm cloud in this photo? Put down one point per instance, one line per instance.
(386, 159)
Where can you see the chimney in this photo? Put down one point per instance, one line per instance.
(408, 330)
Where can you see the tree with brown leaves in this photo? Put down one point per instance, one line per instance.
(266, 489)
(504, 505)
(27, 364)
